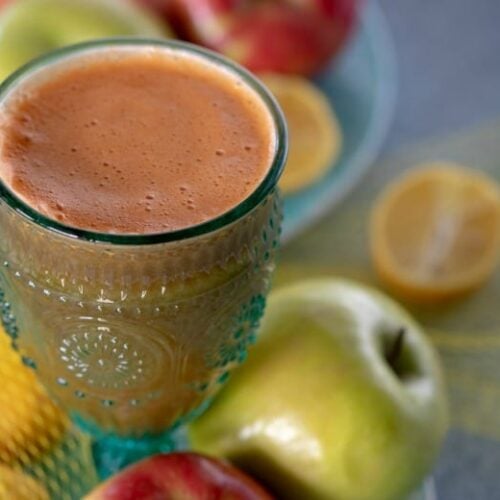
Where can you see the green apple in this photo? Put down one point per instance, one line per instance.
(29, 28)
(342, 398)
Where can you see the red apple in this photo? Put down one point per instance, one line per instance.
(160, 6)
(189, 476)
(287, 36)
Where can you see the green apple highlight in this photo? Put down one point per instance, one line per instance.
(341, 399)
(29, 28)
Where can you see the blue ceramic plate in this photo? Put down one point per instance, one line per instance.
(362, 88)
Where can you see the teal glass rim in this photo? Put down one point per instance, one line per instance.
(259, 194)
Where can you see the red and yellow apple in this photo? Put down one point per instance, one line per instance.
(189, 476)
(287, 36)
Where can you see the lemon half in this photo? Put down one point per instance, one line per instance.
(435, 232)
(314, 132)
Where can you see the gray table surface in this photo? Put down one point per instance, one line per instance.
(449, 70)
(449, 66)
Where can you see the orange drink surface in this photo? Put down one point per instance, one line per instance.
(140, 143)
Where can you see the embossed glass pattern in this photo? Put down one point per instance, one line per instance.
(134, 334)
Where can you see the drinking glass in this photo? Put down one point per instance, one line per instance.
(134, 334)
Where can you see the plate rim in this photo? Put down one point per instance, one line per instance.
(376, 27)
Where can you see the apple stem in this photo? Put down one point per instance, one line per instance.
(395, 350)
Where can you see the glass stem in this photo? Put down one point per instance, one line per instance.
(113, 453)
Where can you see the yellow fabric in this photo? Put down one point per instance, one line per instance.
(41, 457)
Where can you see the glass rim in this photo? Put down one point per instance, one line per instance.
(245, 206)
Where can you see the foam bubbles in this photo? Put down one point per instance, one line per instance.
(123, 163)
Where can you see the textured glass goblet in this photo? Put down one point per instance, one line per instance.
(133, 334)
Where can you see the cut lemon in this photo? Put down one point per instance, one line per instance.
(435, 232)
(30, 423)
(314, 132)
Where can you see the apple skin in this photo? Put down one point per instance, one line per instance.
(284, 36)
(30, 28)
(180, 475)
(317, 412)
